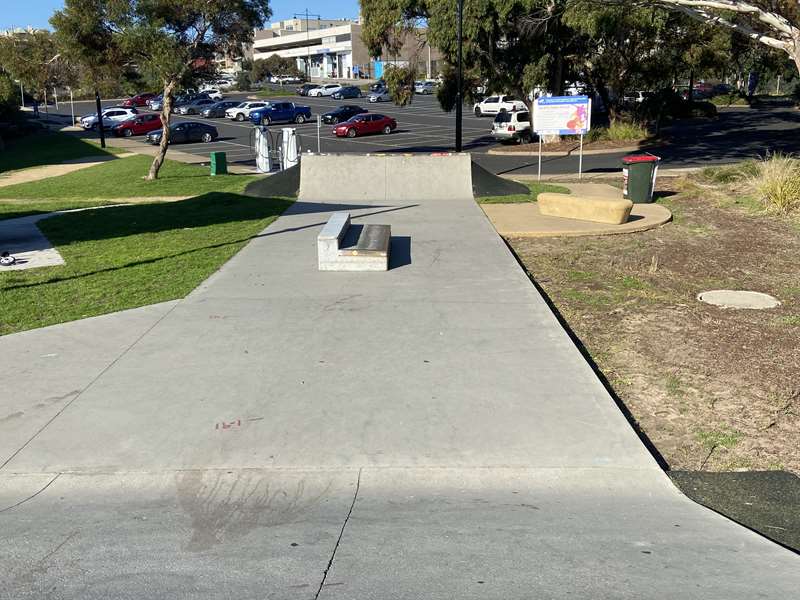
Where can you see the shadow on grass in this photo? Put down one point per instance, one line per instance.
(206, 210)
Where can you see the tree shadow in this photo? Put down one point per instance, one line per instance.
(208, 209)
(46, 148)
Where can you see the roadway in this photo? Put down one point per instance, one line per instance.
(737, 134)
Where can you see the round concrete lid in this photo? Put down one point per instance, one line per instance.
(738, 299)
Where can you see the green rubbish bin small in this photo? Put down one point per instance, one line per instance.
(219, 163)
(639, 177)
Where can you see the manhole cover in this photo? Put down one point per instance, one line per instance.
(738, 299)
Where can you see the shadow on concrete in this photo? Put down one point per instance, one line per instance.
(399, 251)
(208, 209)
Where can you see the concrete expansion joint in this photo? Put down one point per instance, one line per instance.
(339, 539)
(125, 351)
(32, 496)
(336, 469)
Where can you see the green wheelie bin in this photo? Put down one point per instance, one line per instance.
(639, 177)
(219, 163)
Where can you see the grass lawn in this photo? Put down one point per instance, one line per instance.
(124, 257)
(123, 178)
(270, 93)
(46, 148)
(536, 189)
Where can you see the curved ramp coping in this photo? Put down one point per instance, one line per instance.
(385, 178)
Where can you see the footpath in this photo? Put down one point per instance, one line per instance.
(427, 432)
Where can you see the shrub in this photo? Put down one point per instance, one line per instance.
(744, 171)
(777, 183)
(703, 109)
(617, 131)
(733, 98)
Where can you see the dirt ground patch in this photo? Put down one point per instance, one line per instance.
(713, 389)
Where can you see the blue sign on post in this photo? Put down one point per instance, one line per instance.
(562, 115)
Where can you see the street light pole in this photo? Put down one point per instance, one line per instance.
(459, 75)
(308, 41)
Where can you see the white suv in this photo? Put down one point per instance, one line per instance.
(495, 104)
(111, 116)
(242, 112)
(325, 90)
(514, 125)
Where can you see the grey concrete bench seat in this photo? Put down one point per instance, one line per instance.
(342, 247)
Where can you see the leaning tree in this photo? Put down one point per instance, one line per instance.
(173, 41)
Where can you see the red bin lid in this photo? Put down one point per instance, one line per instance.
(640, 158)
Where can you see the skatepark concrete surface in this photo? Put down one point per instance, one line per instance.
(426, 432)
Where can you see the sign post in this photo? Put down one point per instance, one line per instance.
(319, 126)
(562, 115)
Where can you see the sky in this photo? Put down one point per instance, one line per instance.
(36, 13)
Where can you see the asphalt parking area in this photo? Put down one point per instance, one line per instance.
(421, 127)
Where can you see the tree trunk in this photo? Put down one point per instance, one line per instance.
(166, 113)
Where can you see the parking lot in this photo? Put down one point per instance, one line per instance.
(421, 127)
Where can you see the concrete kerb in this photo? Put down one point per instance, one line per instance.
(570, 152)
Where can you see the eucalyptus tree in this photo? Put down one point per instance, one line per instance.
(171, 41)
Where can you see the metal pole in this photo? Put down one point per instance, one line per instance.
(21, 94)
(46, 111)
(72, 106)
(100, 119)
(55, 95)
(319, 126)
(308, 47)
(580, 160)
(539, 178)
(459, 83)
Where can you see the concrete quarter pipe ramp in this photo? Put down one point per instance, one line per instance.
(425, 432)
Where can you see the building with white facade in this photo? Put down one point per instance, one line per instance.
(332, 49)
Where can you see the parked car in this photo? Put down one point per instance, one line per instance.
(186, 131)
(242, 111)
(275, 112)
(156, 102)
(424, 87)
(495, 104)
(138, 100)
(284, 79)
(364, 124)
(305, 88)
(138, 125)
(327, 89)
(379, 96)
(111, 116)
(218, 109)
(213, 93)
(194, 107)
(343, 113)
(378, 86)
(512, 125)
(348, 91)
(636, 97)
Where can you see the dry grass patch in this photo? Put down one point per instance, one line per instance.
(713, 389)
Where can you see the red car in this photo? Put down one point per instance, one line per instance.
(139, 100)
(139, 125)
(363, 124)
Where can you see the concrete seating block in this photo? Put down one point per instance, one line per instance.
(585, 208)
(342, 247)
